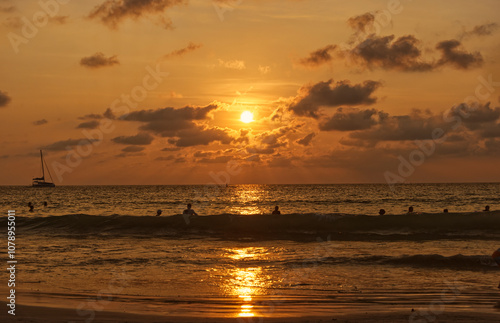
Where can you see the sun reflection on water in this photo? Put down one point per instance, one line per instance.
(247, 200)
(246, 282)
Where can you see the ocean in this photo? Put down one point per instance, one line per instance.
(102, 248)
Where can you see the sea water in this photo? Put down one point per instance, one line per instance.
(95, 248)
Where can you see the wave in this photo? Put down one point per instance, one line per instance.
(456, 262)
(482, 225)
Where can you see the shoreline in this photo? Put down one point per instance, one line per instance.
(41, 314)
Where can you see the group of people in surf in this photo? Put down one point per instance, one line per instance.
(32, 207)
(190, 211)
(411, 211)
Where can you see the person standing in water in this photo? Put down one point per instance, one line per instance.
(276, 210)
(189, 210)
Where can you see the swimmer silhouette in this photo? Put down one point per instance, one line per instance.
(410, 209)
(276, 210)
(486, 208)
(189, 210)
(158, 213)
(381, 212)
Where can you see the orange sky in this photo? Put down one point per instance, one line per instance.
(151, 92)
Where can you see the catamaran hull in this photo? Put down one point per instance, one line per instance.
(43, 184)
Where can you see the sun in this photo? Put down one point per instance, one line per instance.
(246, 117)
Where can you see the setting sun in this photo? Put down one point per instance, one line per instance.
(246, 117)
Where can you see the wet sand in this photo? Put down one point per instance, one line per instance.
(57, 315)
(369, 306)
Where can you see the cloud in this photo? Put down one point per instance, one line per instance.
(385, 52)
(166, 122)
(349, 120)
(405, 127)
(476, 116)
(201, 136)
(330, 94)
(113, 12)
(98, 60)
(139, 139)
(362, 22)
(88, 125)
(481, 30)
(453, 54)
(183, 51)
(257, 150)
(4, 99)
(233, 64)
(40, 122)
(179, 125)
(318, 57)
(171, 149)
(67, 144)
(306, 140)
(132, 149)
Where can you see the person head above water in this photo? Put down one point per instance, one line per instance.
(158, 213)
(381, 212)
(45, 203)
(445, 211)
(410, 209)
(486, 208)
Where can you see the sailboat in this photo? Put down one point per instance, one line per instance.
(40, 181)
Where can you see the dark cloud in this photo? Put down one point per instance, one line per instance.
(318, 57)
(171, 149)
(215, 160)
(476, 116)
(201, 136)
(453, 54)
(113, 12)
(183, 51)
(330, 94)
(416, 126)
(132, 149)
(88, 125)
(490, 131)
(482, 30)
(40, 122)
(139, 139)
(181, 126)
(68, 144)
(167, 122)
(350, 119)
(306, 140)
(361, 23)
(257, 150)
(385, 52)
(4, 99)
(98, 60)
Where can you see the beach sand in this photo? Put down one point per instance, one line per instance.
(370, 306)
(57, 315)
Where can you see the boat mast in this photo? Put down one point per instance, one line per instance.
(43, 171)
